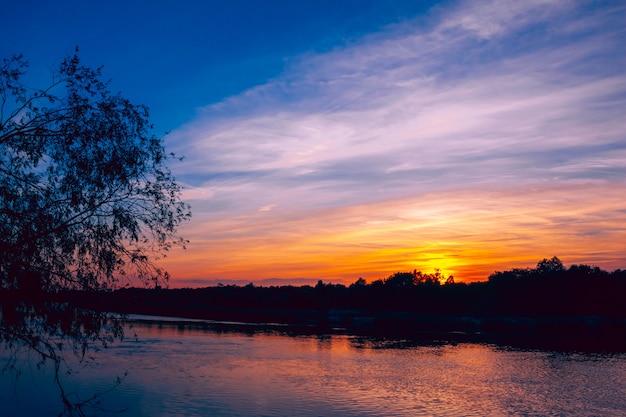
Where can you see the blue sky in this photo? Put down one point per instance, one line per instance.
(332, 140)
(190, 52)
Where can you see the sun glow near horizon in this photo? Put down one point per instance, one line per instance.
(467, 234)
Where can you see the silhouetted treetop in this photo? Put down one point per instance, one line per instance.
(408, 279)
(550, 266)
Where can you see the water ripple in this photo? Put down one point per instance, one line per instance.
(199, 373)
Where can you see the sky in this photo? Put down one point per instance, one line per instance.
(342, 139)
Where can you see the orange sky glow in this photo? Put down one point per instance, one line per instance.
(465, 233)
(474, 138)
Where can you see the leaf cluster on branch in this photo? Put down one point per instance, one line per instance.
(85, 193)
(86, 200)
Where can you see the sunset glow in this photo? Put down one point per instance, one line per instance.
(358, 141)
(467, 235)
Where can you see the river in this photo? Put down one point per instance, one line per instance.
(175, 369)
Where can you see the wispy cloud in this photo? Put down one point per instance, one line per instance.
(474, 96)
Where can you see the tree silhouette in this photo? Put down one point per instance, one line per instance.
(402, 279)
(86, 199)
(410, 279)
(550, 266)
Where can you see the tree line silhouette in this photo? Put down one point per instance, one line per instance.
(549, 289)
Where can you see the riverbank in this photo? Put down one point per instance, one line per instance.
(581, 308)
(572, 333)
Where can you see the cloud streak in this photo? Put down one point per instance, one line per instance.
(474, 98)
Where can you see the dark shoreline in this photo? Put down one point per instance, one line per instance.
(591, 334)
(582, 308)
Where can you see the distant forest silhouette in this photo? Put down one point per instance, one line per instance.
(579, 304)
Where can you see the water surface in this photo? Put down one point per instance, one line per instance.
(186, 370)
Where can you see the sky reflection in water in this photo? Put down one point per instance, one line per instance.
(176, 370)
